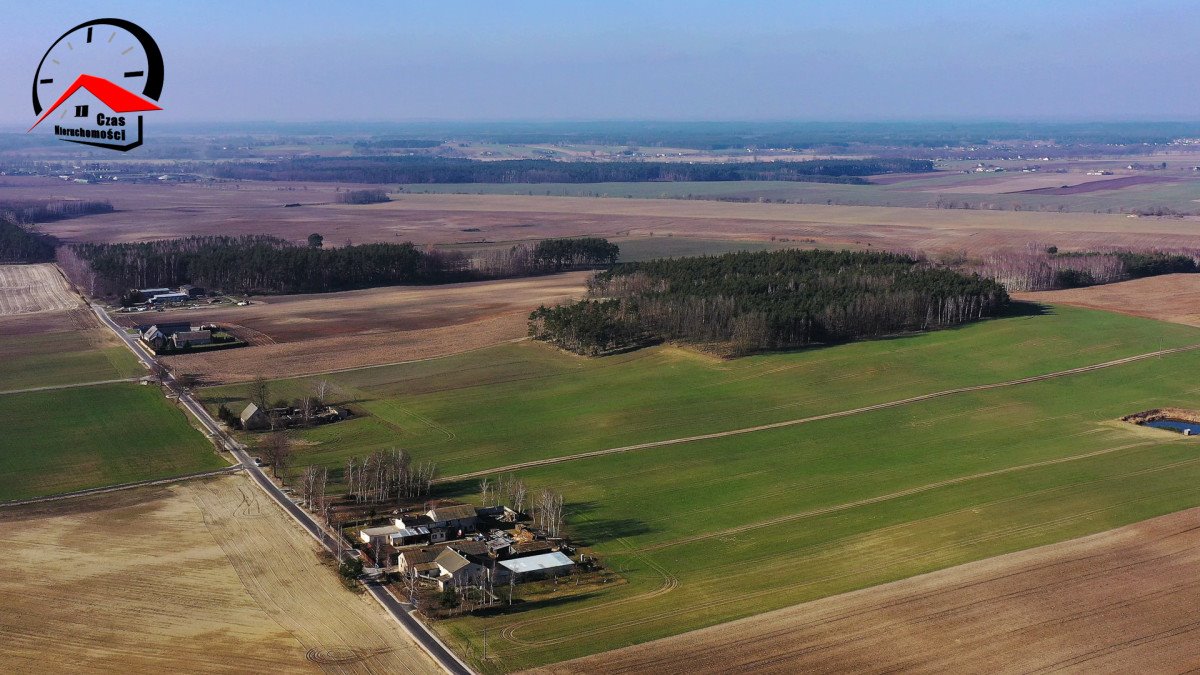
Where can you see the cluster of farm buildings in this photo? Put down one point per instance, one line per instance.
(460, 546)
(159, 297)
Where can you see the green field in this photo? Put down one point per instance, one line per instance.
(56, 358)
(72, 439)
(709, 531)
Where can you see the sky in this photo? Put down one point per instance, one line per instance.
(644, 60)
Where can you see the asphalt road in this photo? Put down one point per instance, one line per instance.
(400, 611)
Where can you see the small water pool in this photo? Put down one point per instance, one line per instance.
(1188, 428)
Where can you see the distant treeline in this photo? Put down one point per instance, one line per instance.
(49, 211)
(396, 144)
(1049, 270)
(362, 197)
(747, 302)
(19, 244)
(264, 264)
(456, 171)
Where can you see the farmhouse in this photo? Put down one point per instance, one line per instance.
(252, 418)
(457, 571)
(420, 560)
(191, 338)
(459, 516)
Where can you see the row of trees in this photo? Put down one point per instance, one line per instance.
(546, 508)
(264, 264)
(49, 211)
(373, 196)
(1046, 269)
(388, 475)
(22, 244)
(767, 300)
(419, 169)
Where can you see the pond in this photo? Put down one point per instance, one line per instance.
(1178, 426)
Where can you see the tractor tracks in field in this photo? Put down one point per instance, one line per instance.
(817, 418)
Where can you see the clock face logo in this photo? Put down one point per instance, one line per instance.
(96, 80)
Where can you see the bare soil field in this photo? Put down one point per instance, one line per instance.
(1018, 182)
(302, 334)
(32, 289)
(1119, 601)
(148, 212)
(205, 576)
(1170, 297)
(1110, 184)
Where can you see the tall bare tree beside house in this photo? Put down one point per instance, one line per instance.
(277, 452)
(517, 493)
(485, 492)
(322, 389)
(260, 393)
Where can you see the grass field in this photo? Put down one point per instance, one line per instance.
(525, 401)
(72, 439)
(715, 530)
(63, 348)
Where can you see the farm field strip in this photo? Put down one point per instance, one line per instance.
(524, 402)
(66, 386)
(33, 289)
(817, 418)
(243, 589)
(1126, 606)
(65, 440)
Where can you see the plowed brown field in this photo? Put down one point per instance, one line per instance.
(303, 334)
(1119, 601)
(32, 289)
(205, 576)
(1171, 297)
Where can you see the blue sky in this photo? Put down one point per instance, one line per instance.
(531, 60)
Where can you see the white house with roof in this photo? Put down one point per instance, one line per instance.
(533, 567)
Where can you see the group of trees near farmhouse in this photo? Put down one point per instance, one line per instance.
(453, 170)
(264, 264)
(746, 302)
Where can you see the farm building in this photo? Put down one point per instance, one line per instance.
(149, 292)
(394, 536)
(536, 566)
(191, 291)
(191, 338)
(161, 298)
(420, 560)
(457, 571)
(253, 418)
(459, 516)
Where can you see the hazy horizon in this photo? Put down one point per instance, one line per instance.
(639, 62)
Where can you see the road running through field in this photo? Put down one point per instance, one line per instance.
(817, 418)
(402, 612)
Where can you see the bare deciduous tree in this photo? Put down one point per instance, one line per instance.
(322, 389)
(277, 452)
(260, 393)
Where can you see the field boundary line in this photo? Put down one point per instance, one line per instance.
(122, 486)
(52, 387)
(826, 416)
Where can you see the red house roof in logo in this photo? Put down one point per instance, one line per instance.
(117, 99)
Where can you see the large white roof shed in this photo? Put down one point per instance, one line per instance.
(546, 562)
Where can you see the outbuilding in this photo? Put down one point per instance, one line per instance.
(537, 566)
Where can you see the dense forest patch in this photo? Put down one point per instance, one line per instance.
(749, 302)
(264, 264)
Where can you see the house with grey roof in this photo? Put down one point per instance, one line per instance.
(252, 418)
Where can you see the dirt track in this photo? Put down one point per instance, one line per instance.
(34, 289)
(817, 418)
(206, 576)
(1171, 297)
(1119, 601)
(305, 334)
